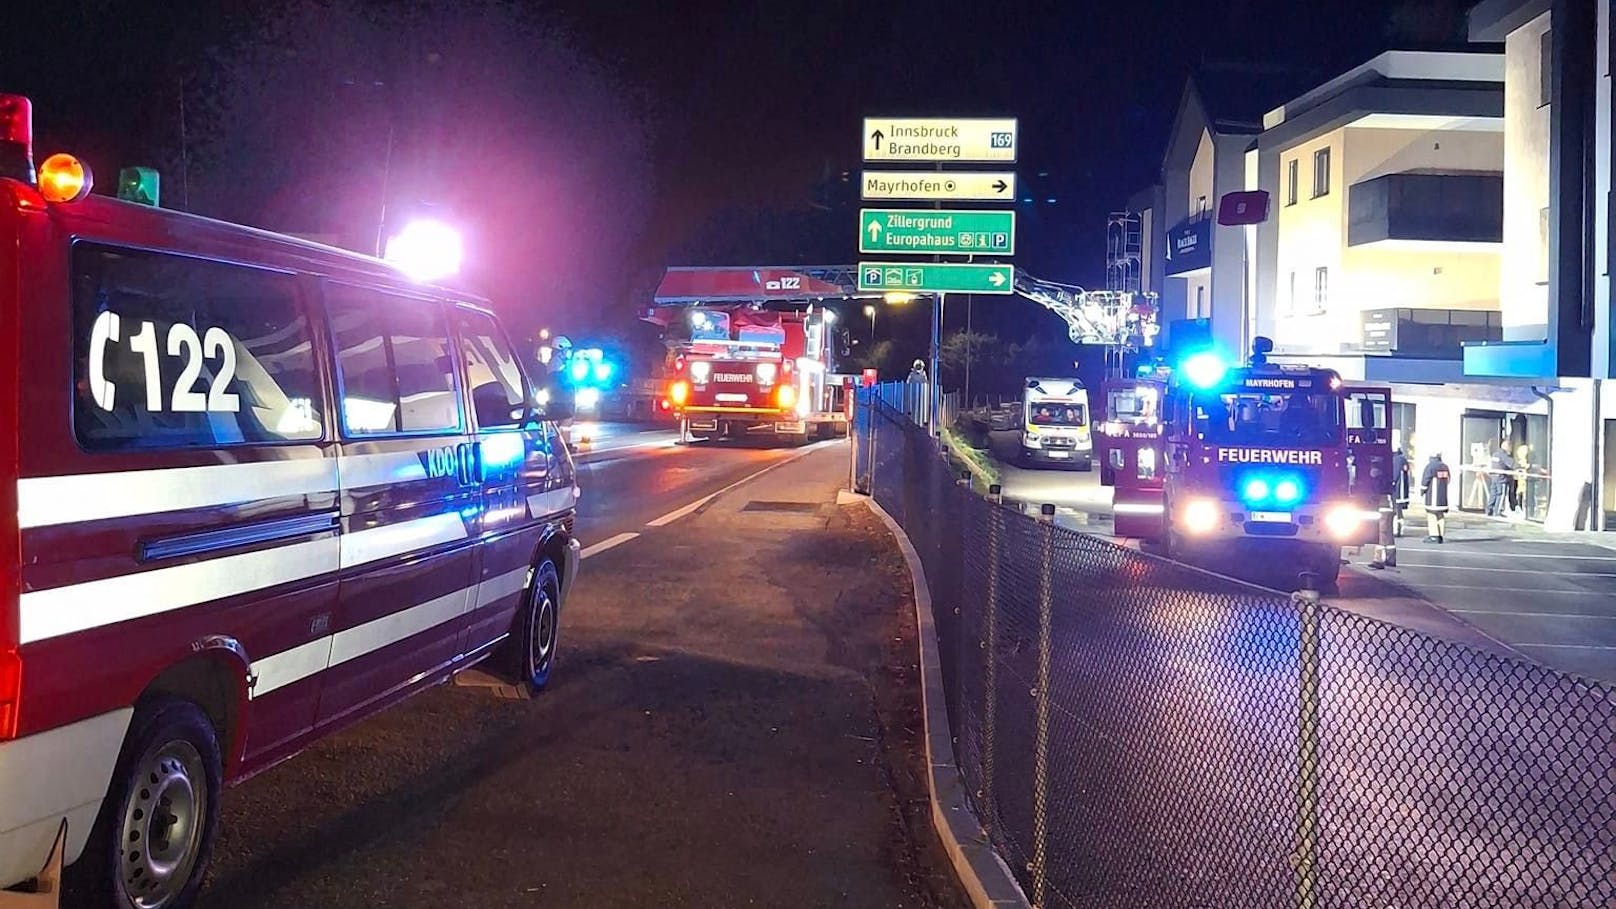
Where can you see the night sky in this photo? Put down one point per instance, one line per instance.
(587, 145)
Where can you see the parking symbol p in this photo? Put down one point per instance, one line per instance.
(872, 276)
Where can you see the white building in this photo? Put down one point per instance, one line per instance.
(1555, 292)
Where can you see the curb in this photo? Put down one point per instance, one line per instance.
(983, 875)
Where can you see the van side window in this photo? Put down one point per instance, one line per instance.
(177, 352)
(498, 390)
(394, 361)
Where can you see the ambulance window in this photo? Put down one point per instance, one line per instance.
(497, 389)
(176, 352)
(394, 362)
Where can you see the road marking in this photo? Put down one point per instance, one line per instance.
(1514, 555)
(1582, 593)
(1401, 563)
(606, 544)
(686, 510)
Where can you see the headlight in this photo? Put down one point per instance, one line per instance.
(542, 397)
(679, 393)
(766, 373)
(1030, 438)
(587, 398)
(786, 395)
(700, 370)
(1199, 516)
(1343, 521)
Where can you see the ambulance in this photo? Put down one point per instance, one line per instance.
(1056, 431)
(252, 490)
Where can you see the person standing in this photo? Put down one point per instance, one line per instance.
(1402, 482)
(1434, 486)
(1500, 472)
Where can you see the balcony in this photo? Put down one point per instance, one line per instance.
(1430, 334)
(1424, 210)
(1189, 245)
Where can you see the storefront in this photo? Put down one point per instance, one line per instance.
(1525, 439)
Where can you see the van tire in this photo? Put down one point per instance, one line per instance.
(538, 627)
(170, 752)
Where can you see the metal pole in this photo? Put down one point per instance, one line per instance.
(1306, 601)
(1040, 771)
(936, 359)
(990, 660)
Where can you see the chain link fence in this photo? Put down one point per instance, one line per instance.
(1138, 733)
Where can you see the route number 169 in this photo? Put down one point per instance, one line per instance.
(182, 342)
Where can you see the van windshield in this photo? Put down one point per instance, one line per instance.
(1259, 418)
(1056, 414)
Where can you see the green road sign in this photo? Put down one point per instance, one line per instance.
(935, 278)
(946, 231)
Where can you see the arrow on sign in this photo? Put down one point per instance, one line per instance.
(877, 136)
(996, 279)
(1000, 186)
(874, 229)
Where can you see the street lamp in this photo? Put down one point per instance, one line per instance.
(869, 310)
(898, 297)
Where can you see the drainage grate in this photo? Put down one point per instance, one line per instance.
(800, 507)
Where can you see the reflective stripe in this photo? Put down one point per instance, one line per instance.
(355, 642)
(77, 607)
(290, 666)
(305, 660)
(48, 501)
(501, 586)
(381, 469)
(389, 540)
(545, 504)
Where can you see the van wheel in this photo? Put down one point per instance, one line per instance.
(541, 622)
(151, 844)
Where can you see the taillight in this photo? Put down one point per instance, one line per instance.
(785, 396)
(10, 693)
(679, 392)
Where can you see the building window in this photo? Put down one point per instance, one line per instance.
(1293, 177)
(1321, 173)
(1200, 302)
(1545, 68)
(1290, 298)
(1321, 288)
(1200, 206)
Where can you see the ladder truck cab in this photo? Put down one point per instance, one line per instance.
(1282, 460)
(1055, 424)
(751, 352)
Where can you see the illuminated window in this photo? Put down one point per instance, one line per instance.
(1321, 287)
(1321, 173)
(1293, 177)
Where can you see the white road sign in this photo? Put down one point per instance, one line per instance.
(919, 186)
(940, 140)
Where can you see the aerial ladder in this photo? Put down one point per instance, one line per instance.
(1121, 321)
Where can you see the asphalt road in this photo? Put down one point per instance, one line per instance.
(1494, 586)
(734, 723)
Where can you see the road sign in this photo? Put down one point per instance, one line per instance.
(944, 140)
(934, 278)
(919, 186)
(913, 230)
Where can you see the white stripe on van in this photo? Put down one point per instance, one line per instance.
(359, 547)
(305, 660)
(46, 614)
(49, 501)
(381, 469)
(545, 504)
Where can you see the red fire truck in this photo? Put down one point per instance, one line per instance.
(752, 352)
(252, 490)
(1208, 460)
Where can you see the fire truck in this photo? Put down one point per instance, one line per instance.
(1283, 460)
(752, 352)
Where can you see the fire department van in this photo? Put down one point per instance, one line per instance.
(252, 490)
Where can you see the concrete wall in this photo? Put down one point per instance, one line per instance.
(1372, 153)
(1228, 291)
(1524, 292)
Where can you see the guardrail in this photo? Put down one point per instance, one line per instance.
(1138, 733)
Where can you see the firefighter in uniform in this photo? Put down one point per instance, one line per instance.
(1434, 484)
(1402, 486)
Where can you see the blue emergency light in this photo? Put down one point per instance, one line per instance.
(1205, 369)
(1266, 490)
